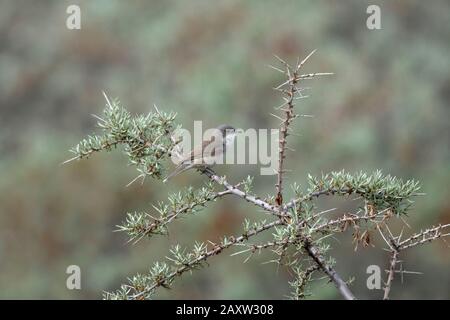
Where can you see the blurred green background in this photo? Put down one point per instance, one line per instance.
(387, 107)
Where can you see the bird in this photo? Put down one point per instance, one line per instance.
(208, 153)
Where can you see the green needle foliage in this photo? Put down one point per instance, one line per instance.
(146, 139)
(141, 224)
(380, 191)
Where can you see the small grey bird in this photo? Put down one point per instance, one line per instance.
(210, 152)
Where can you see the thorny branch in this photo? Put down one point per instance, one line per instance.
(217, 249)
(289, 95)
(298, 229)
(391, 272)
(396, 246)
(137, 227)
(270, 209)
(425, 236)
(340, 284)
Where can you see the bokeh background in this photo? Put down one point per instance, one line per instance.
(387, 107)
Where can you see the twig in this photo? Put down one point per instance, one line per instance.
(397, 246)
(343, 221)
(392, 264)
(340, 284)
(158, 223)
(271, 209)
(215, 251)
(423, 237)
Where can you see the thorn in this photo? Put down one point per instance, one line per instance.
(283, 84)
(295, 134)
(282, 61)
(156, 108)
(277, 69)
(279, 89)
(248, 258)
(274, 115)
(281, 106)
(70, 160)
(98, 118)
(107, 99)
(300, 89)
(131, 182)
(400, 235)
(312, 75)
(306, 59)
(405, 222)
(239, 252)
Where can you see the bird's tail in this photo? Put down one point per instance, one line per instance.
(181, 168)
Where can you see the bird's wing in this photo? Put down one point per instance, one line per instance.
(198, 152)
